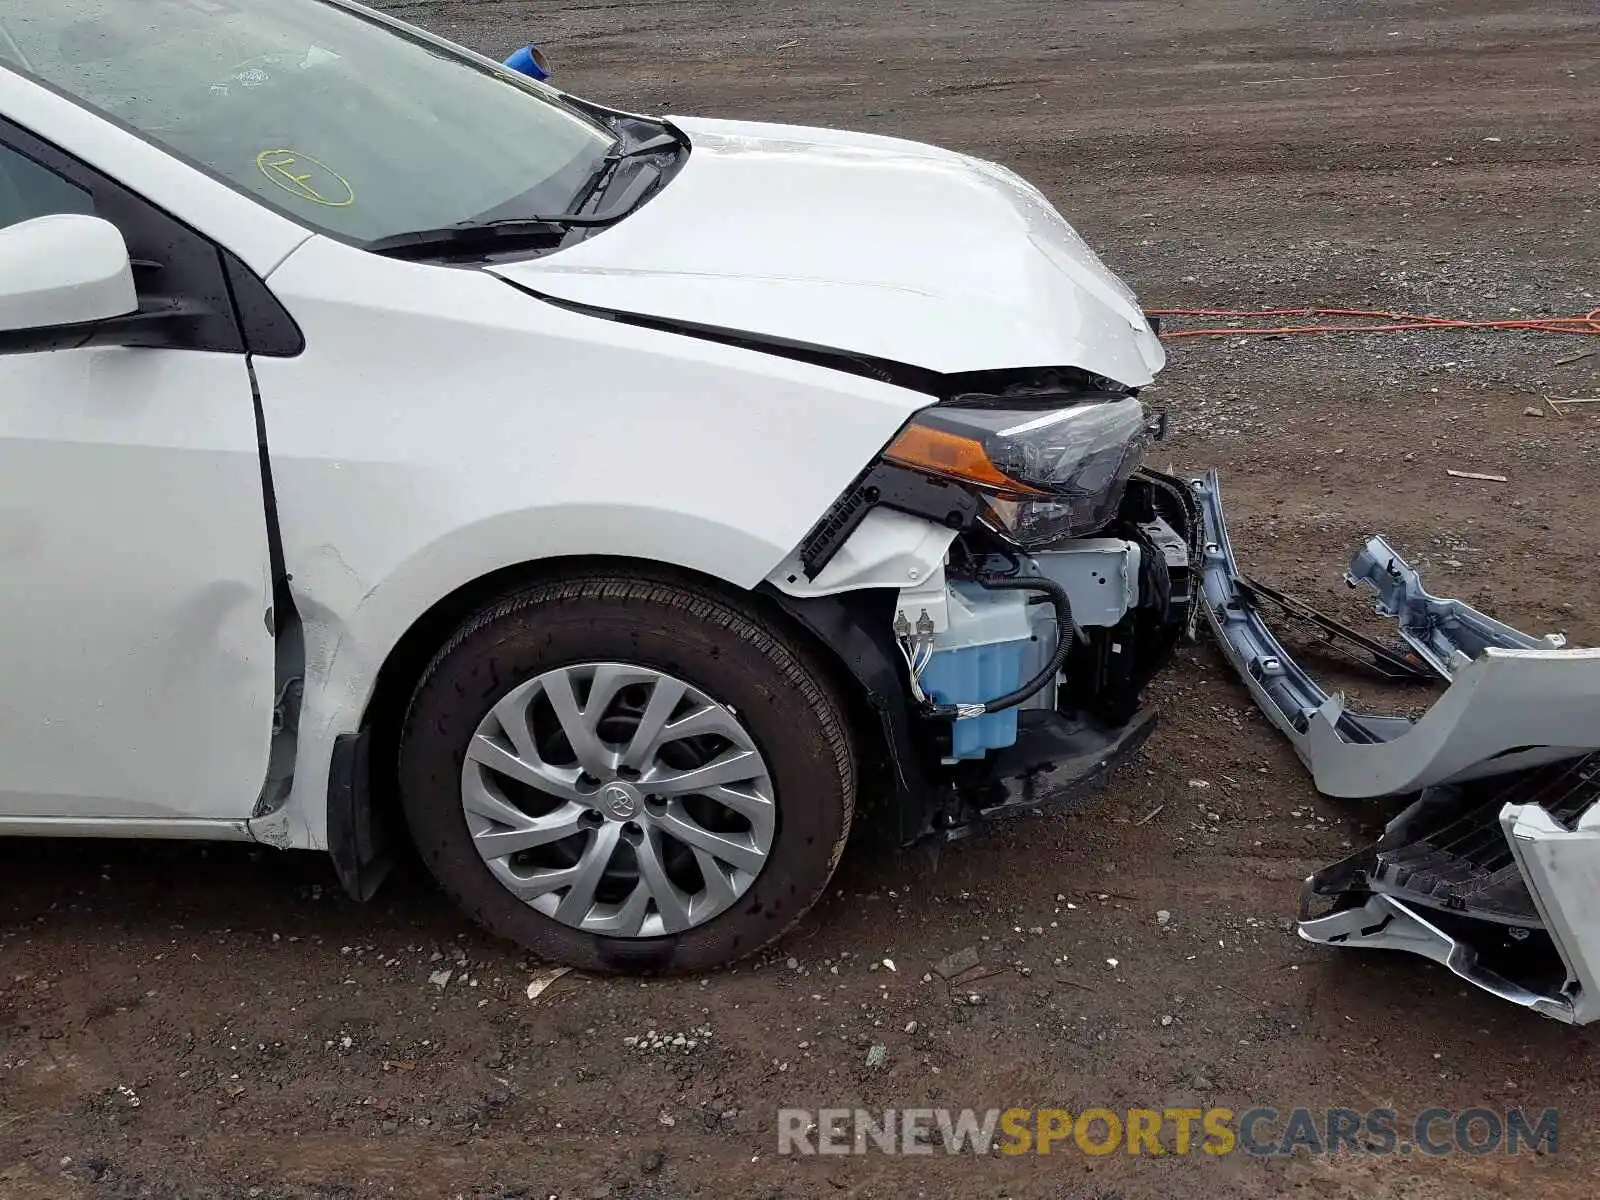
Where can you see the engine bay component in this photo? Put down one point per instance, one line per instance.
(1001, 649)
(1101, 576)
(1508, 707)
(955, 632)
(980, 656)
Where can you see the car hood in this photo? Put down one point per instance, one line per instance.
(864, 244)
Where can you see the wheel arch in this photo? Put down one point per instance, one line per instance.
(363, 792)
(402, 667)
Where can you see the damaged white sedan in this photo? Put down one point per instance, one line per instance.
(393, 445)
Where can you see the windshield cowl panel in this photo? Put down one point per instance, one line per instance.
(343, 123)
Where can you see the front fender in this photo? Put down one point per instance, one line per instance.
(442, 426)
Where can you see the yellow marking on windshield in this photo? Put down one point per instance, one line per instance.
(306, 178)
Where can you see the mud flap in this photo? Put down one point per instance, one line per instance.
(357, 841)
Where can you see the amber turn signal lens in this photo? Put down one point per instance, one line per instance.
(940, 452)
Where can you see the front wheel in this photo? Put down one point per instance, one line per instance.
(627, 774)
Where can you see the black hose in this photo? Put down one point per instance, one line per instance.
(1066, 631)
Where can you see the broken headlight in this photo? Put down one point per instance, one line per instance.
(1046, 476)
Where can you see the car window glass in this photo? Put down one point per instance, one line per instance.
(28, 190)
(318, 111)
(10, 55)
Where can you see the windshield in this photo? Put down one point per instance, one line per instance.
(320, 111)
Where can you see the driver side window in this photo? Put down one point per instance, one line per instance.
(28, 190)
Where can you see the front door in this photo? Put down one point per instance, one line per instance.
(136, 652)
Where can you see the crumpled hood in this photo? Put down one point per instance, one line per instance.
(865, 244)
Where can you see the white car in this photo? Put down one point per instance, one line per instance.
(625, 503)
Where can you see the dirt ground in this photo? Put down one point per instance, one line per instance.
(187, 1021)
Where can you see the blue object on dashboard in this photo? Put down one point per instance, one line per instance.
(530, 61)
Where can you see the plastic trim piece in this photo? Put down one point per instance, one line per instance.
(1056, 761)
(856, 628)
(357, 838)
(196, 829)
(1446, 633)
(1499, 881)
(886, 549)
(1562, 870)
(1384, 923)
(1507, 708)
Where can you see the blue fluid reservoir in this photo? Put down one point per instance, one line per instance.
(981, 657)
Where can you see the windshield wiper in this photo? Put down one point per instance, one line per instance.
(488, 237)
(468, 238)
(652, 145)
(656, 144)
(510, 233)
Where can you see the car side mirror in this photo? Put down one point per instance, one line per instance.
(60, 277)
(530, 61)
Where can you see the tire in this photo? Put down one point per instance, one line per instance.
(725, 654)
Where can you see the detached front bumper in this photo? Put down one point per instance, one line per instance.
(1494, 869)
(1514, 701)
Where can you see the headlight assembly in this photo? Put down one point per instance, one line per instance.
(1045, 476)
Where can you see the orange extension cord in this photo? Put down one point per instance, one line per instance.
(1393, 322)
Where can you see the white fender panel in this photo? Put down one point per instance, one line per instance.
(442, 424)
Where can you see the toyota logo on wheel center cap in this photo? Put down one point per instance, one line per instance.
(621, 800)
